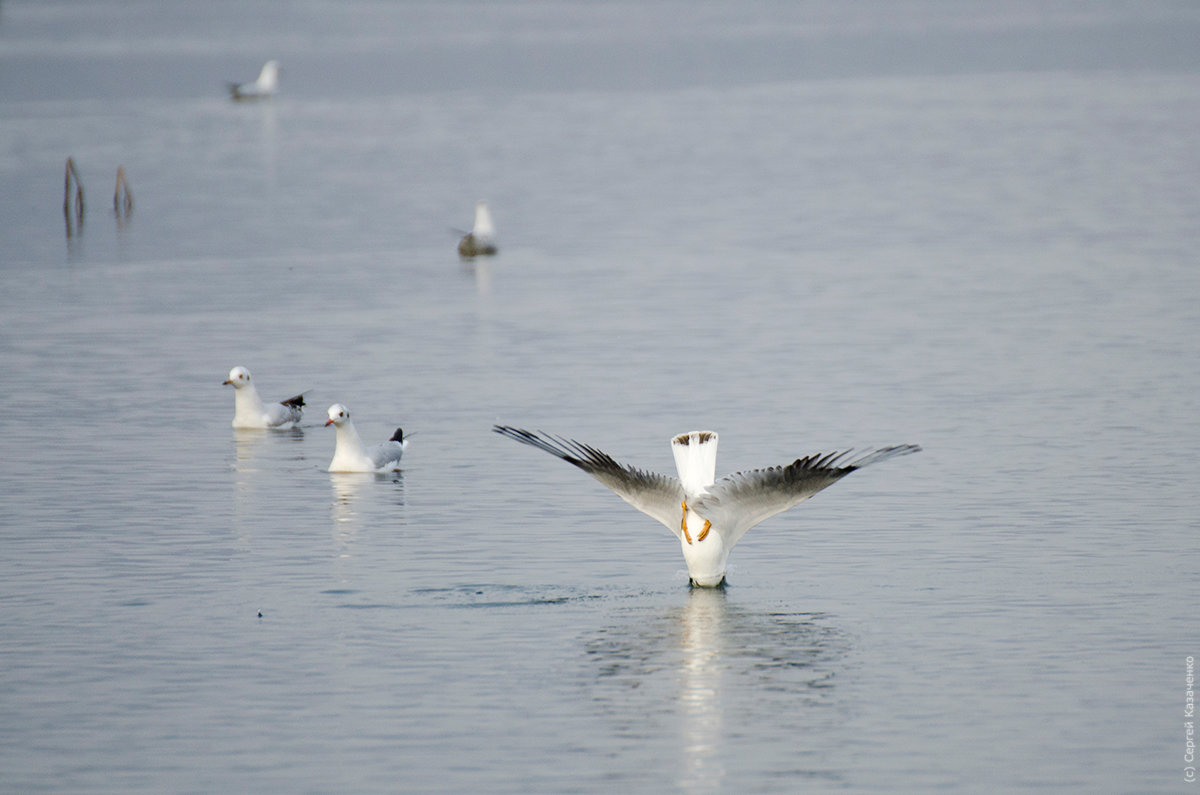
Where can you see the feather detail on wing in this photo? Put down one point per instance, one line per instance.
(285, 411)
(659, 496)
(737, 502)
(387, 453)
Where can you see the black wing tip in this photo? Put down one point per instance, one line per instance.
(898, 449)
(508, 430)
(519, 434)
(538, 439)
(883, 454)
(398, 436)
(296, 402)
(582, 455)
(522, 435)
(836, 461)
(831, 460)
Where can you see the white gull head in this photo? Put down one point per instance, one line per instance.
(339, 415)
(239, 378)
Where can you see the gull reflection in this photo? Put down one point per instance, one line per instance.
(703, 644)
(269, 137)
(482, 273)
(346, 488)
(248, 444)
(348, 496)
(253, 456)
(711, 680)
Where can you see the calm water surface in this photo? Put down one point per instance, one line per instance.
(975, 231)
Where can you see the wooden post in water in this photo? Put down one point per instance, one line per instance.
(72, 176)
(122, 196)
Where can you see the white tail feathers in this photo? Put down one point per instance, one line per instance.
(268, 78)
(484, 229)
(696, 459)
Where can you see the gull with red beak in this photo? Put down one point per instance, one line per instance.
(351, 455)
(708, 515)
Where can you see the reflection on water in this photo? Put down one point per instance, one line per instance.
(259, 456)
(707, 665)
(269, 141)
(348, 488)
(702, 642)
(248, 444)
(481, 271)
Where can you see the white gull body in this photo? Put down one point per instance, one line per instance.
(351, 455)
(264, 86)
(709, 516)
(249, 411)
(481, 239)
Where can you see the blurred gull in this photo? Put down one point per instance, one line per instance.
(250, 412)
(349, 453)
(709, 516)
(479, 241)
(264, 86)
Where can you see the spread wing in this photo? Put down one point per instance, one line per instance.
(737, 502)
(659, 496)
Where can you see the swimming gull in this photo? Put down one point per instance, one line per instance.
(709, 516)
(351, 455)
(264, 86)
(479, 241)
(250, 412)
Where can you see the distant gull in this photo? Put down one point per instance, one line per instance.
(351, 455)
(250, 412)
(264, 86)
(708, 516)
(480, 240)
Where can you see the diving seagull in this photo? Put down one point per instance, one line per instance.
(264, 86)
(250, 412)
(709, 516)
(480, 240)
(351, 455)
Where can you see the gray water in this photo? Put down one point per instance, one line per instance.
(812, 227)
